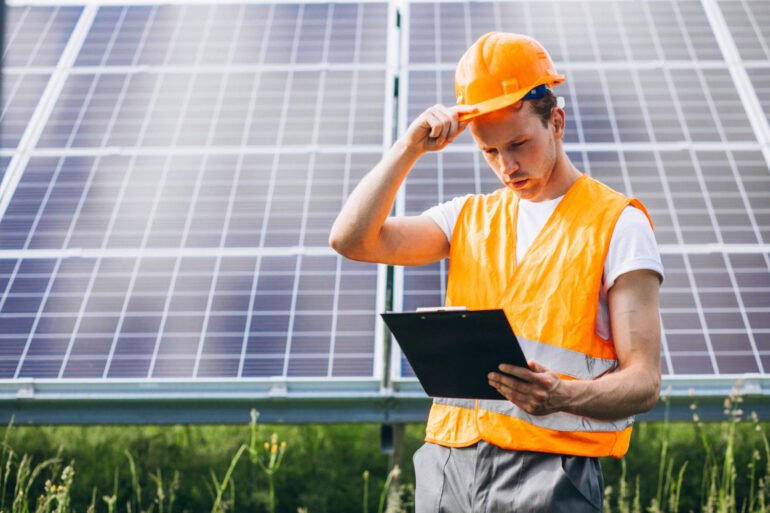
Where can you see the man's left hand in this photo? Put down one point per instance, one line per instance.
(541, 391)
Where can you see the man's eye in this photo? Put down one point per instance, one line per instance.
(491, 151)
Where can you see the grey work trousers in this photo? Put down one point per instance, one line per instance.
(484, 478)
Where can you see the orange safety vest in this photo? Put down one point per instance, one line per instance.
(550, 298)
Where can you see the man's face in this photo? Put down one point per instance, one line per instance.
(518, 148)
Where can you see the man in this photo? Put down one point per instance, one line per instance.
(573, 264)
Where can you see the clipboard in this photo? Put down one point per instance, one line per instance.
(452, 351)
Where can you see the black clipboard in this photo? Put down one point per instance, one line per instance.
(453, 351)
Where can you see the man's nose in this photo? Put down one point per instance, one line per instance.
(508, 164)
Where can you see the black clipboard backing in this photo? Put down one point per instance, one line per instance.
(452, 352)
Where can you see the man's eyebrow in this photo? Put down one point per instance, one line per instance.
(514, 140)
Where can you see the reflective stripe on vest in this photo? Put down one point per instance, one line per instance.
(551, 299)
(557, 421)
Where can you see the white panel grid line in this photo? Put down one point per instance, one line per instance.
(114, 35)
(273, 179)
(399, 208)
(743, 312)
(188, 219)
(244, 140)
(134, 273)
(43, 111)
(119, 69)
(10, 38)
(602, 79)
(335, 316)
(52, 279)
(113, 219)
(746, 92)
(578, 65)
(250, 251)
(38, 316)
(161, 186)
(292, 317)
(688, 267)
(714, 220)
(231, 199)
(396, 72)
(162, 151)
(48, 25)
(249, 316)
(119, 3)
(79, 319)
(755, 27)
(297, 278)
(150, 217)
(94, 272)
(579, 124)
(308, 187)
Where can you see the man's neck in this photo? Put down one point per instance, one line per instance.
(563, 176)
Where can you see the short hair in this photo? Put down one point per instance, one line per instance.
(543, 106)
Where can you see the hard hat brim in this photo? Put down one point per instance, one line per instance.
(506, 100)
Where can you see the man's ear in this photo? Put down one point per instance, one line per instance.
(557, 122)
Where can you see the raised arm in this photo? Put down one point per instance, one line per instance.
(363, 230)
(634, 388)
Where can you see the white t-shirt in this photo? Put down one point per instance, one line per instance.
(632, 246)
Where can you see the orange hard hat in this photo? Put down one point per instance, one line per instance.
(500, 69)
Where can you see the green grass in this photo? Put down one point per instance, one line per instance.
(701, 467)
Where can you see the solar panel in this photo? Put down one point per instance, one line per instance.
(166, 219)
(760, 79)
(36, 36)
(172, 219)
(21, 94)
(652, 110)
(303, 315)
(749, 21)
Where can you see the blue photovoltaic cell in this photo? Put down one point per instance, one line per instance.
(216, 35)
(570, 31)
(760, 79)
(205, 317)
(4, 161)
(218, 108)
(21, 95)
(180, 201)
(749, 23)
(36, 36)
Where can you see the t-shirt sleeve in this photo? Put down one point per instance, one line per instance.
(445, 214)
(632, 247)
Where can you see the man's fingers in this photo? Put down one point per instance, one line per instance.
(509, 382)
(434, 123)
(453, 121)
(439, 123)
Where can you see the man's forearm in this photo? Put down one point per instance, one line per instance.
(362, 216)
(620, 394)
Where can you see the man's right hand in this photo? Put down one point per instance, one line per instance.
(435, 128)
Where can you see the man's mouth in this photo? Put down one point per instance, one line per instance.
(518, 184)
